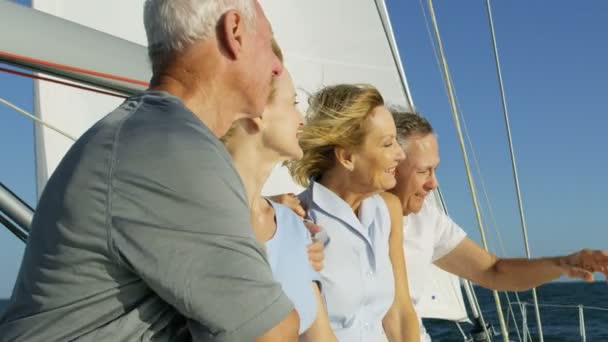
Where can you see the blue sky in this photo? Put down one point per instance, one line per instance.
(553, 62)
(553, 57)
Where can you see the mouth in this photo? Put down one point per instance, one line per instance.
(391, 170)
(422, 195)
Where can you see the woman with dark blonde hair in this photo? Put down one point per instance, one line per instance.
(256, 146)
(349, 161)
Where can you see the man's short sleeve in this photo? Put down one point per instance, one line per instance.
(180, 221)
(447, 234)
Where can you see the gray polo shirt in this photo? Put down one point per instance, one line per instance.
(143, 234)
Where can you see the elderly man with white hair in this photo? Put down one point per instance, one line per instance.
(143, 231)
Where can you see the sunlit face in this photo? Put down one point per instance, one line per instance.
(416, 174)
(262, 64)
(281, 120)
(375, 162)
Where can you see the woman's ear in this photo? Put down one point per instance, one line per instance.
(253, 125)
(345, 158)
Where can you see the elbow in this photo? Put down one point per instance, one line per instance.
(402, 325)
(286, 330)
(292, 327)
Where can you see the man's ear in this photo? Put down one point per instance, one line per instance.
(231, 33)
(345, 157)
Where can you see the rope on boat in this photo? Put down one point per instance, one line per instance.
(447, 78)
(513, 163)
(33, 117)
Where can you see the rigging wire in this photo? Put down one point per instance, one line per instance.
(33, 117)
(513, 163)
(466, 161)
(478, 168)
(436, 56)
(490, 210)
(69, 84)
(13, 228)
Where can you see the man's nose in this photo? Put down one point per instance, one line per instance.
(400, 153)
(432, 183)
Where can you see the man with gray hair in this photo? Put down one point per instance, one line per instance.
(431, 236)
(142, 232)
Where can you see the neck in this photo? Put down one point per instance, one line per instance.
(201, 85)
(254, 164)
(339, 181)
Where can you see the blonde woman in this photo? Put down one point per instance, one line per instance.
(256, 146)
(350, 157)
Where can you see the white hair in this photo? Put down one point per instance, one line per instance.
(172, 25)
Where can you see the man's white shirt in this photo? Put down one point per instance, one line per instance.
(428, 235)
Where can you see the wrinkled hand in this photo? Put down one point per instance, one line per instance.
(584, 263)
(316, 255)
(290, 201)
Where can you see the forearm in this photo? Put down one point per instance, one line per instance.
(519, 274)
(468, 260)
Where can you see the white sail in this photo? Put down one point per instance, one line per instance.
(441, 296)
(329, 42)
(70, 109)
(325, 42)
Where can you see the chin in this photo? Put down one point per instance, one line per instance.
(415, 207)
(388, 185)
(297, 155)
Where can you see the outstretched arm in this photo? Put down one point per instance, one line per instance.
(468, 260)
(401, 322)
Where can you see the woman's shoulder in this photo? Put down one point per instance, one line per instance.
(289, 221)
(389, 199)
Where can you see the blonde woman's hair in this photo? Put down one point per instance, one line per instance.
(273, 92)
(335, 118)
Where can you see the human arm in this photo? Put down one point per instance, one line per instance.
(469, 260)
(401, 321)
(320, 330)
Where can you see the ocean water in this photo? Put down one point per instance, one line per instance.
(560, 324)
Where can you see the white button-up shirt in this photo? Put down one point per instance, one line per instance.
(357, 278)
